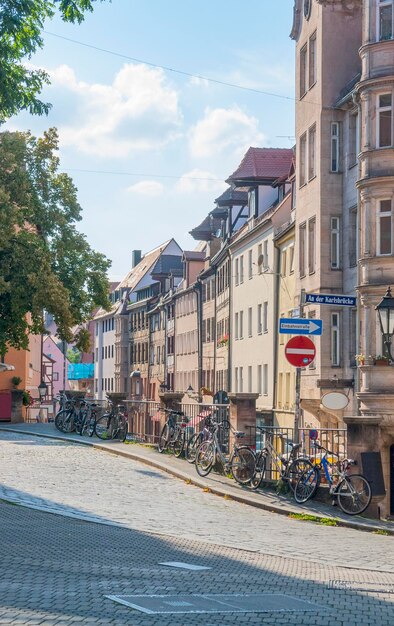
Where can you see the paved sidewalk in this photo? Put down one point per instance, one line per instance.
(216, 484)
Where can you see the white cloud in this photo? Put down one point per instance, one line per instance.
(139, 111)
(147, 188)
(224, 129)
(199, 181)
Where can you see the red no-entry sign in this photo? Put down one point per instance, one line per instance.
(300, 351)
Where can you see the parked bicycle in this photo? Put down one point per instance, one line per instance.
(240, 462)
(351, 491)
(197, 438)
(173, 433)
(289, 466)
(113, 424)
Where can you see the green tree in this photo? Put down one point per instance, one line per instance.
(21, 25)
(73, 355)
(45, 262)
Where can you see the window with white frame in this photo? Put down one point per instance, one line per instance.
(250, 321)
(291, 259)
(259, 319)
(283, 264)
(353, 237)
(335, 243)
(236, 324)
(250, 381)
(260, 258)
(312, 152)
(236, 271)
(385, 228)
(241, 325)
(353, 140)
(265, 379)
(384, 120)
(312, 60)
(312, 245)
(303, 160)
(252, 202)
(236, 380)
(265, 317)
(303, 69)
(250, 264)
(266, 259)
(385, 20)
(241, 379)
(334, 147)
(259, 379)
(302, 247)
(241, 269)
(335, 339)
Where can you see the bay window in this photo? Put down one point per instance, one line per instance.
(384, 120)
(385, 228)
(385, 26)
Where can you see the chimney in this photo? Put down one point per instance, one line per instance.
(135, 257)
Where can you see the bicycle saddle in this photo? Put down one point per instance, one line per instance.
(295, 446)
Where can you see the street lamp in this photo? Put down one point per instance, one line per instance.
(385, 310)
(42, 390)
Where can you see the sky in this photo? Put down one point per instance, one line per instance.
(159, 145)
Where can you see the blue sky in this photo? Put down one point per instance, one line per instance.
(116, 115)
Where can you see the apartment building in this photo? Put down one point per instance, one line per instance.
(327, 35)
(264, 172)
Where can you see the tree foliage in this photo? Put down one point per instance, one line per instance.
(45, 262)
(21, 26)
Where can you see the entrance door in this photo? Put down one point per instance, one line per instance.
(392, 480)
(5, 405)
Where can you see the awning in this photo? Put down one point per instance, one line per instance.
(135, 374)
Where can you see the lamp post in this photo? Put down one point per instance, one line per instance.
(42, 390)
(385, 310)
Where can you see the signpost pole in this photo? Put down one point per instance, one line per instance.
(297, 412)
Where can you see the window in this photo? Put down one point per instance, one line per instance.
(236, 326)
(236, 380)
(384, 120)
(283, 260)
(237, 271)
(250, 382)
(265, 317)
(250, 263)
(334, 147)
(241, 269)
(55, 378)
(335, 338)
(302, 242)
(335, 243)
(312, 60)
(260, 258)
(259, 379)
(252, 202)
(312, 245)
(353, 140)
(266, 260)
(241, 325)
(303, 160)
(265, 380)
(385, 20)
(241, 379)
(291, 259)
(259, 319)
(303, 69)
(384, 230)
(353, 237)
(250, 320)
(312, 152)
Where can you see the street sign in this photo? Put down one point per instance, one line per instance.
(300, 351)
(300, 326)
(332, 299)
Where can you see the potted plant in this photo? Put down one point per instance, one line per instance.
(204, 391)
(360, 359)
(382, 360)
(16, 381)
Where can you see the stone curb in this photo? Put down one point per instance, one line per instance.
(198, 482)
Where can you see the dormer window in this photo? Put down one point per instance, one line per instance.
(252, 202)
(385, 25)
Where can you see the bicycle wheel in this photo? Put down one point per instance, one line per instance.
(191, 447)
(60, 418)
(123, 428)
(104, 427)
(179, 443)
(306, 485)
(354, 494)
(295, 470)
(261, 463)
(205, 458)
(164, 438)
(243, 465)
(64, 421)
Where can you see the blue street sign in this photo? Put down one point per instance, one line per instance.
(301, 326)
(333, 299)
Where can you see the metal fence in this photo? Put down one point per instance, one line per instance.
(197, 413)
(334, 439)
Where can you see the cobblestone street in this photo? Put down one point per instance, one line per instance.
(57, 569)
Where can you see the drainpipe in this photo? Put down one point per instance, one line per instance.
(276, 318)
(197, 287)
(215, 336)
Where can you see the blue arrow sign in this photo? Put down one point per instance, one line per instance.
(301, 326)
(333, 299)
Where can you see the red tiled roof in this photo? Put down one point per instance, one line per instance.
(263, 163)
